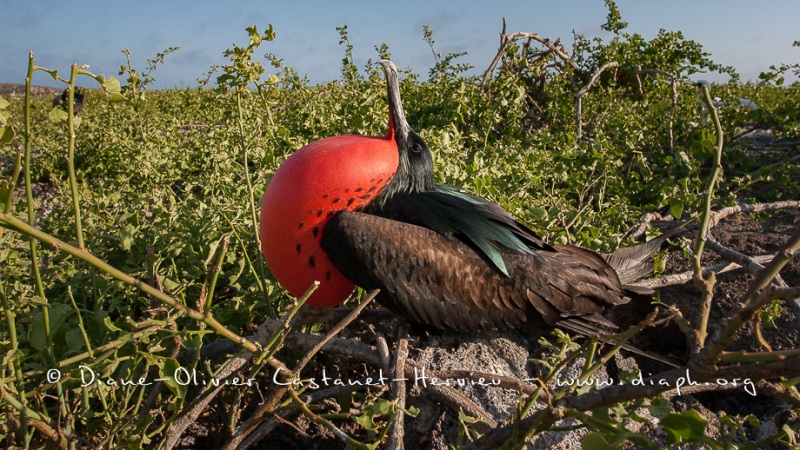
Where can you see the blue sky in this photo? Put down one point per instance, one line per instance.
(746, 34)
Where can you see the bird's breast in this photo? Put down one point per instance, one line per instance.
(326, 176)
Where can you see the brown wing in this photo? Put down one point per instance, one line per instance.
(441, 282)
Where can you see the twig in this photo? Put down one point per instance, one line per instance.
(71, 154)
(776, 355)
(351, 443)
(33, 245)
(779, 393)
(505, 39)
(152, 276)
(449, 395)
(496, 60)
(9, 201)
(242, 437)
(739, 258)
(398, 389)
(638, 232)
(706, 285)
(330, 315)
(383, 350)
(335, 330)
(262, 274)
(750, 208)
(674, 83)
(40, 423)
(215, 265)
(781, 258)
(584, 90)
(499, 380)
(683, 277)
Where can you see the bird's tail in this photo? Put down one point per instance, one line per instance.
(635, 263)
(631, 264)
(585, 328)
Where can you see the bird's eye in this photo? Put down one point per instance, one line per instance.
(416, 147)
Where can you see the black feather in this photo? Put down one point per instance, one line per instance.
(634, 263)
(440, 281)
(450, 211)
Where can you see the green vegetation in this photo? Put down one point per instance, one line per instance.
(164, 187)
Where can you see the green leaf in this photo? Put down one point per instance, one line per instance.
(170, 285)
(366, 422)
(380, 407)
(126, 236)
(58, 115)
(4, 190)
(74, 339)
(167, 370)
(676, 208)
(3, 103)
(110, 325)
(6, 134)
(660, 407)
(112, 86)
(116, 98)
(596, 441)
(412, 411)
(538, 212)
(58, 314)
(688, 426)
(467, 419)
(193, 343)
(790, 434)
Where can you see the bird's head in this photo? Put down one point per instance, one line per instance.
(415, 168)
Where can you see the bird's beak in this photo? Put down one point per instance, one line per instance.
(397, 117)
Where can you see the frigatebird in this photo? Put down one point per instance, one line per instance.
(365, 210)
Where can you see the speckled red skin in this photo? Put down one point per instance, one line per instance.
(324, 177)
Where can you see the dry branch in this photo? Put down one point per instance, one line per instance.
(683, 277)
(584, 89)
(398, 390)
(638, 232)
(242, 437)
(750, 208)
(505, 39)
